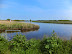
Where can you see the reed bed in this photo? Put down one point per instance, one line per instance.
(7, 25)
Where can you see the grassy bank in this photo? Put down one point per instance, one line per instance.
(55, 21)
(7, 25)
(20, 45)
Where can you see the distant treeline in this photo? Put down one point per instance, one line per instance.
(55, 21)
(18, 20)
(12, 20)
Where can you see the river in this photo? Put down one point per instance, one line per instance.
(63, 31)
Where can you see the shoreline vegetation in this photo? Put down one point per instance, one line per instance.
(13, 25)
(20, 45)
(55, 21)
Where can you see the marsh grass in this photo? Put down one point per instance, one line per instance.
(7, 25)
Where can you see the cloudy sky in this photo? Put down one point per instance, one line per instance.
(36, 9)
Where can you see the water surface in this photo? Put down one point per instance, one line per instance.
(62, 31)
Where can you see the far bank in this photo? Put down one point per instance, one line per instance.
(55, 21)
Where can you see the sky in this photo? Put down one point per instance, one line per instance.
(36, 9)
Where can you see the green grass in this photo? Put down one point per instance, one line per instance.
(6, 25)
(55, 21)
(20, 45)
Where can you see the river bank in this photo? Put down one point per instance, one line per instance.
(54, 21)
(13, 25)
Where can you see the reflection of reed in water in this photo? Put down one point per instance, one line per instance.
(11, 35)
(71, 38)
(8, 34)
(21, 31)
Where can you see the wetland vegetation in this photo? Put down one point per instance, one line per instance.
(20, 45)
(7, 25)
(55, 21)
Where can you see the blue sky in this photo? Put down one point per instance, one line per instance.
(36, 9)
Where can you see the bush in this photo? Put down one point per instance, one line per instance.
(4, 46)
(20, 45)
(8, 19)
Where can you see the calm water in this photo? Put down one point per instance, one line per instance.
(62, 30)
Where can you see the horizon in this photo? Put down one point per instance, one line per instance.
(33, 20)
(36, 9)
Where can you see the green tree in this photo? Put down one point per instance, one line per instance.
(30, 20)
(8, 19)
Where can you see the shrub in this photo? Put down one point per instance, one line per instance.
(20, 45)
(4, 46)
(8, 19)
